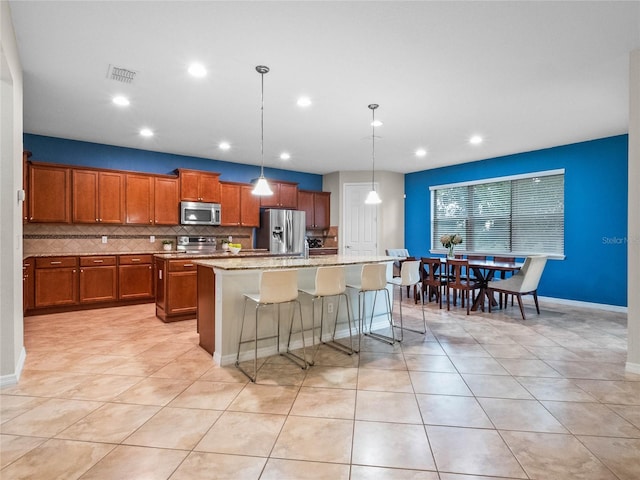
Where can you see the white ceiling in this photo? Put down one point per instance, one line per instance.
(525, 75)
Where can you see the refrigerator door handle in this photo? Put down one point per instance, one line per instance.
(289, 231)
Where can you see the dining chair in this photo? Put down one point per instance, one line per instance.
(434, 280)
(409, 277)
(525, 282)
(503, 275)
(460, 279)
(373, 279)
(329, 283)
(277, 287)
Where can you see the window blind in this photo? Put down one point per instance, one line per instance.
(520, 215)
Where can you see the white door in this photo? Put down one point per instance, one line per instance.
(360, 221)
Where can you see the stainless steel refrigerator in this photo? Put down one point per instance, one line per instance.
(282, 231)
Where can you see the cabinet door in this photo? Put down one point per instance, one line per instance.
(85, 196)
(271, 200)
(135, 281)
(167, 203)
(189, 188)
(139, 199)
(160, 283)
(288, 195)
(49, 194)
(56, 286)
(25, 185)
(230, 204)
(98, 284)
(209, 187)
(182, 292)
(249, 207)
(28, 274)
(321, 208)
(305, 203)
(110, 197)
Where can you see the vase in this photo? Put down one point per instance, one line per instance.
(450, 253)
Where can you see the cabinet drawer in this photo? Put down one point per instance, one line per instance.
(181, 265)
(135, 259)
(101, 261)
(56, 262)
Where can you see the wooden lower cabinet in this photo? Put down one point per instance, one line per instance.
(206, 308)
(98, 279)
(64, 283)
(135, 277)
(56, 281)
(176, 290)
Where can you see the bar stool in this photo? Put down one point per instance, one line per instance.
(373, 279)
(409, 277)
(330, 282)
(277, 287)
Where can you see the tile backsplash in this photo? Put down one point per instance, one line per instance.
(69, 239)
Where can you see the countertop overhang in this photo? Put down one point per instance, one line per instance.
(268, 263)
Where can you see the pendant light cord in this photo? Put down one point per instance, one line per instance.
(373, 107)
(262, 124)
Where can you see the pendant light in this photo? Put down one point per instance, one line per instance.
(262, 187)
(373, 198)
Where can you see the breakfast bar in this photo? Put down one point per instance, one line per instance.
(223, 281)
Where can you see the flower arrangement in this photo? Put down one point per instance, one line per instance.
(450, 241)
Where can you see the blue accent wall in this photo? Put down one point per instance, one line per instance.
(86, 154)
(595, 267)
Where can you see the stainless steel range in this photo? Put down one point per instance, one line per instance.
(196, 244)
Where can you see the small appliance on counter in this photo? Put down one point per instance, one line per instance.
(196, 244)
(315, 243)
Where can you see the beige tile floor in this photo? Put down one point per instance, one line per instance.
(117, 394)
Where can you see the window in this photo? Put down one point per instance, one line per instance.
(521, 215)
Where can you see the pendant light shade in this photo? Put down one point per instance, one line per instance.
(262, 187)
(373, 198)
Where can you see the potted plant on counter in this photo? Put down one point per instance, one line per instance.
(167, 244)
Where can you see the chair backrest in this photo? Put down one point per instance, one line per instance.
(458, 271)
(476, 257)
(374, 276)
(532, 271)
(397, 252)
(410, 272)
(430, 270)
(504, 259)
(277, 286)
(330, 281)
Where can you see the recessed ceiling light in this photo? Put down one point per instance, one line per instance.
(421, 152)
(224, 146)
(146, 132)
(475, 140)
(121, 101)
(285, 156)
(197, 70)
(304, 102)
(376, 123)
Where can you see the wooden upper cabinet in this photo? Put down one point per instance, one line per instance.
(249, 207)
(139, 198)
(230, 204)
(49, 193)
(285, 195)
(152, 199)
(198, 186)
(98, 196)
(166, 201)
(316, 205)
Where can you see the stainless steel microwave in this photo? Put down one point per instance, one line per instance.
(199, 213)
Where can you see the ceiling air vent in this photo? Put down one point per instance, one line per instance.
(120, 74)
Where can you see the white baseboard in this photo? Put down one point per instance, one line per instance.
(13, 378)
(577, 303)
(633, 368)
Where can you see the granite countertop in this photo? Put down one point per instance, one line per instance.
(159, 253)
(218, 254)
(261, 263)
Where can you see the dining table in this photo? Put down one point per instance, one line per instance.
(484, 271)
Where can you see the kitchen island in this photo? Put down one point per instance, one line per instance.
(223, 281)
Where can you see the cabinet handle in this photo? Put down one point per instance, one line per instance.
(97, 219)
(55, 263)
(135, 259)
(149, 267)
(188, 265)
(81, 270)
(98, 261)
